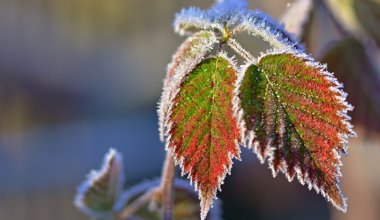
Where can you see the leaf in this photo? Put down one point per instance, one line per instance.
(295, 115)
(97, 196)
(189, 54)
(202, 126)
(221, 14)
(234, 16)
(186, 202)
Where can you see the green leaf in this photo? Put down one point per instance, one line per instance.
(98, 195)
(202, 127)
(188, 55)
(295, 115)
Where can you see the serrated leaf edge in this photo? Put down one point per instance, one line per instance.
(179, 161)
(304, 179)
(172, 83)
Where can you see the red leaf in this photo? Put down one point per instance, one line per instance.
(295, 115)
(202, 127)
(188, 55)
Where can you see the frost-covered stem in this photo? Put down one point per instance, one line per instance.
(166, 187)
(239, 49)
(137, 204)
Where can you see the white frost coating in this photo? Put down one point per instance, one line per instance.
(116, 182)
(227, 11)
(258, 23)
(206, 203)
(296, 17)
(234, 15)
(183, 61)
(193, 18)
(341, 97)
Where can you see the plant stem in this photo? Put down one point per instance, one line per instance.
(138, 203)
(166, 187)
(240, 50)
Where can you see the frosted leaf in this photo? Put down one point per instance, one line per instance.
(228, 12)
(295, 115)
(236, 17)
(257, 23)
(188, 55)
(98, 195)
(202, 127)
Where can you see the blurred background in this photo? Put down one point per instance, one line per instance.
(80, 76)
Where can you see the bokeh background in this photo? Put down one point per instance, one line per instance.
(80, 76)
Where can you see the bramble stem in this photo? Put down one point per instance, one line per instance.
(239, 49)
(164, 190)
(138, 203)
(166, 187)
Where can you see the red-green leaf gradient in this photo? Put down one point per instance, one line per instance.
(203, 132)
(295, 115)
(188, 55)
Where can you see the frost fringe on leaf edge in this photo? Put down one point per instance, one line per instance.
(309, 61)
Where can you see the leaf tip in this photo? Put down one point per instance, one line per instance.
(206, 203)
(97, 195)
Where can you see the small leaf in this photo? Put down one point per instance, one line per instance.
(97, 196)
(188, 55)
(295, 114)
(202, 126)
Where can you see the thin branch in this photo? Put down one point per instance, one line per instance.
(138, 203)
(239, 49)
(166, 187)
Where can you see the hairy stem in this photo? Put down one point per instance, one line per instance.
(138, 203)
(166, 187)
(239, 49)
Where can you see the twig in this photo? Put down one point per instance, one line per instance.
(138, 203)
(239, 49)
(166, 187)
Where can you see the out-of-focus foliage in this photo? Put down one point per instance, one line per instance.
(99, 194)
